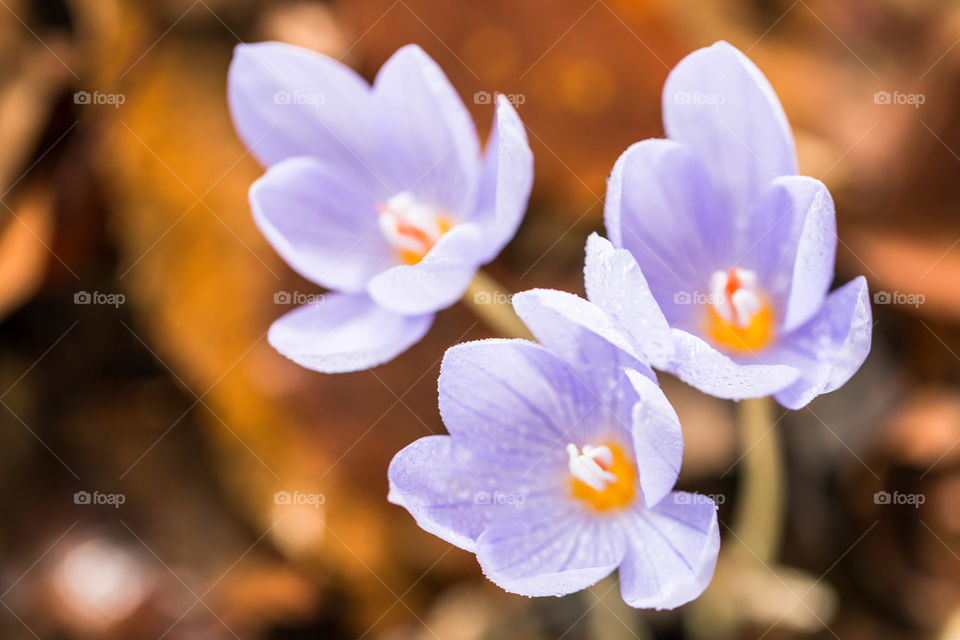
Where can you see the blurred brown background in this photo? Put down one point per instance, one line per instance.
(146, 425)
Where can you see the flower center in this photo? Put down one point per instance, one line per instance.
(602, 476)
(411, 226)
(739, 320)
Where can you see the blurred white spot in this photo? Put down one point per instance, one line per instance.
(100, 584)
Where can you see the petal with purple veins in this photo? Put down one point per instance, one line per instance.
(550, 552)
(514, 399)
(454, 494)
(675, 552)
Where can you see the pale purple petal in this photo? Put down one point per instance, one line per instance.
(662, 207)
(615, 283)
(342, 333)
(454, 494)
(702, 366)
(506, 179)
(830, 347)
(657, 439)
(718, 103)
(438, 280)
(675, 562)
(513, 398)
(287, 101)
(598, 352)
(430, 144)
(322, 221)
(550, 552)
(580, 333)
(793, 243)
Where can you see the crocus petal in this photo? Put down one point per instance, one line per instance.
(515, 399)
(662, 207)
(287, 101)
(615, 283)
(794, 238)
(430, 142)
(550, 551)
(322, 221)
(507, 177)
(583, 335)
(675, 562)
(438, 280)
(830, 347)
(342, 333)
(701, 366)
(580, 333)
(657, 439)
(718, 103)
(454, 494)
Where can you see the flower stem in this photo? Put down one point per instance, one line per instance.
(491, 303)
(759, 511)
(746, 561)
(610, 617)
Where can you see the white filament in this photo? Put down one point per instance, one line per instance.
(734, 296)
(402, 213)
(585, 465)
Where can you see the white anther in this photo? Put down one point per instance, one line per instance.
(734, 296)
(409, 224)
(587, 465)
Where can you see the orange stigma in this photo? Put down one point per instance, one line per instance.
(739, 319)
(412, 227)
(602, 476)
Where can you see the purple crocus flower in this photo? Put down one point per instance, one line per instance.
(380, 194)
(720, 257)
(560, 463)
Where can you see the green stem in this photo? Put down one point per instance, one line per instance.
(491, 303)
(750, 549)
(610, 617)
(759, 511)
